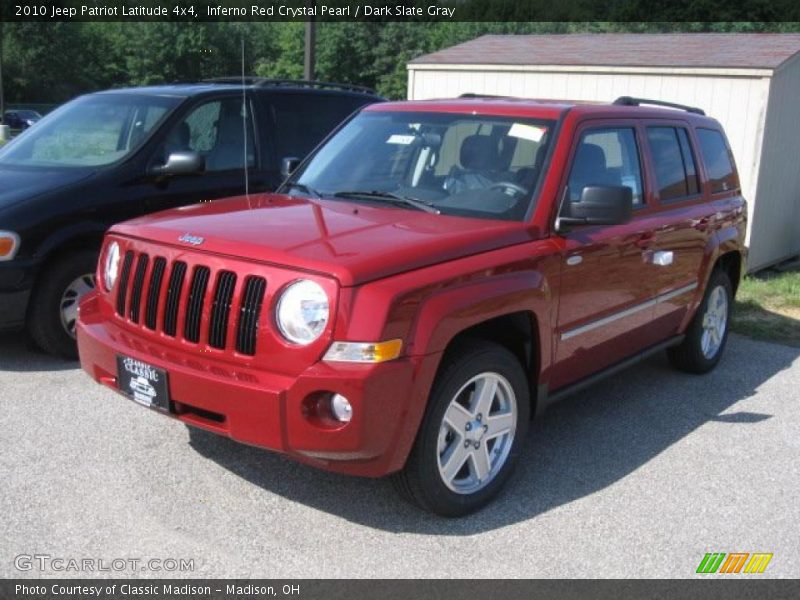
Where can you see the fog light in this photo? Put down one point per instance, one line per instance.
(341, 409)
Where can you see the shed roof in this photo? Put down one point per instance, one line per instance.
(700, 50)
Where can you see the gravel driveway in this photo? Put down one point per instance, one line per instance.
(638, 476)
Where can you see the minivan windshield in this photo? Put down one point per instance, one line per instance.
(459, 164)
(90, 131)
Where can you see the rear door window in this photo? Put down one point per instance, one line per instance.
(673, 161)
(718, 161)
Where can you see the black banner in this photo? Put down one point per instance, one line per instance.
(732, 588)
(401, 10)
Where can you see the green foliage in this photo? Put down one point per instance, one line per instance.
(52, 62)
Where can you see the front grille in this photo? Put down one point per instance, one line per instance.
(249, 312)
(151, 310)
(138, 283)
(206, 303)
(194, 304)
(122, 290)
(173, 297)
(218, 328)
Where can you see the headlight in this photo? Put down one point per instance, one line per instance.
(9, 244)
(302, 312)
(111, 266)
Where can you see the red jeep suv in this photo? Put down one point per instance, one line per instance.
(433, 275)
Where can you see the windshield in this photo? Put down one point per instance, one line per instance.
(88, 132)
(460, 164)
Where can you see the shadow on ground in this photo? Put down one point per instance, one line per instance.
(582, 445)
(18, 353)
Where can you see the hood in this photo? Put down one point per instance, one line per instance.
(18, 184)
(353, 242)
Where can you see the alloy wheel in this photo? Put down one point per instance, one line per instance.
(477, 433)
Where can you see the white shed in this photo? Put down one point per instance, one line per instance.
(749, 82)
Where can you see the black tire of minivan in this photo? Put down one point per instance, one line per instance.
(44, 321)
(689, 356)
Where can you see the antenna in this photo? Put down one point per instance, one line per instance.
(244, 131)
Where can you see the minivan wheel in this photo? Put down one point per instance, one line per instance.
(474, 427)
(53, 312)
(707, 334)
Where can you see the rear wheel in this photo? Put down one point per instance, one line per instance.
(471, 436)
(707, 334)
(53, 312)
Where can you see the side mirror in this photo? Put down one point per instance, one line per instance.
(288, 165)
(181, 163)
(599, 205)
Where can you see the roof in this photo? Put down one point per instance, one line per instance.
(699, 50)
(187, 89)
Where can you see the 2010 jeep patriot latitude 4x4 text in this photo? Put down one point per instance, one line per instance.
(433, 275)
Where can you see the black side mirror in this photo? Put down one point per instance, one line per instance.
(288, 165)
(181, 163)
(599, 205)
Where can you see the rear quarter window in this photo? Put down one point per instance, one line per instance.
(718, 161)
(303, 120)
(673, 163)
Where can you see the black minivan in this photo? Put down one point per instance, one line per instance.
(111, 156)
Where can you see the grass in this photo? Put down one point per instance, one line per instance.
(768, 306)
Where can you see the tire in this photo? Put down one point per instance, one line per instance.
(707, 334)
(62, 282)
(465, 370)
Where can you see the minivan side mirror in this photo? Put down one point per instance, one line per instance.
(181, 163)
(599, 205)
(288, 165)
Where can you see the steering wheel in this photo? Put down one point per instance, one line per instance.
(507, 185)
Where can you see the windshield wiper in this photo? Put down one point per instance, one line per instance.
(303, 188)
(407, 200)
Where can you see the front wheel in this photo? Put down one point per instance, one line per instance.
(53, 312)
(707, 334)
(471, 435)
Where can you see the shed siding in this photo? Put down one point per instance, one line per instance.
(738, 102)
(776, 219)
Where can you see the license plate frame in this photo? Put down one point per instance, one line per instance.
(143, 383)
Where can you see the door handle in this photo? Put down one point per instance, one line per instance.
(645, 240)
(702, 224)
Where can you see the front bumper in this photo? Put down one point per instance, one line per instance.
(269, 410)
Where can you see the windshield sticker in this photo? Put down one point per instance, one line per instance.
(405, 140)
(527, 132)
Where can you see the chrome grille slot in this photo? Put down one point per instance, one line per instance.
(156, 277)
(221, 308)
(194, 304)
(138, 284)
(249, 313)
(122, 286)
(174, 287)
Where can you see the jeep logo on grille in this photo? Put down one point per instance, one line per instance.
(194, 240)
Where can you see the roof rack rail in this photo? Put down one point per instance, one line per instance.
(630, 101)
(265, 81)
(474, 95)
